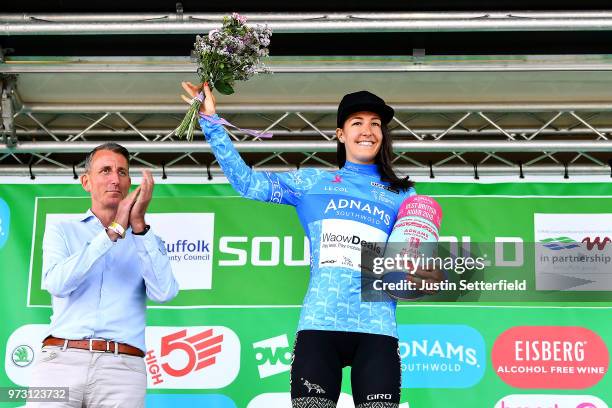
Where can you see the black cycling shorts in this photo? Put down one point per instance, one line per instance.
(320, 355)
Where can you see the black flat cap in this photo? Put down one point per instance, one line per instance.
(363, 101)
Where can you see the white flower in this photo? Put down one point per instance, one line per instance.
(213, 34)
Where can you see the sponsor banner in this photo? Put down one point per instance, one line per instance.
(22, 350)
(273, 356)
(441, 356)
(5, 222)
(283, 400)
(188, 238)
(550, 357)
(552, 401)
(575, 251)
(259, 301)
(189, 245)
(200, 357)
(345, 236)
(224, 263)
(213, 265)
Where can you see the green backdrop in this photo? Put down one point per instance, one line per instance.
(260, 302)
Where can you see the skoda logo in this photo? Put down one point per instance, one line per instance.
(23, 355)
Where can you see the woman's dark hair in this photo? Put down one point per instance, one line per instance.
(382, 160)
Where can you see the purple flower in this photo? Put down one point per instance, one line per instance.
(239, 18)
(234, 51)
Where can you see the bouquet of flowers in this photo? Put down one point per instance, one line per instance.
(232, 53)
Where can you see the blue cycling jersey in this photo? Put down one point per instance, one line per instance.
(338, 210)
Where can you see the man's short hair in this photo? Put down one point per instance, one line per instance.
(112, 146)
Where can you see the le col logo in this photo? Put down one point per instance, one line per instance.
(441, 356)
(192, 357)
(550, 357)
(338, 188)
(273, 356)
(550, 401)
(5, 222)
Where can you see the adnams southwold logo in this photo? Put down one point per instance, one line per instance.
(441, 356)
(273, 356)
(22, 350)
(5, 222)
(191, 357)
(364, 210)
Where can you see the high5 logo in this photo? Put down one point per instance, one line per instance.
(200, 348)
(273, 355)
(192, 357)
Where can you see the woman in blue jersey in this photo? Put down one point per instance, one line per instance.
(338, 210)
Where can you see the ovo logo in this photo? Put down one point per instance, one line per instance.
(273, 356)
